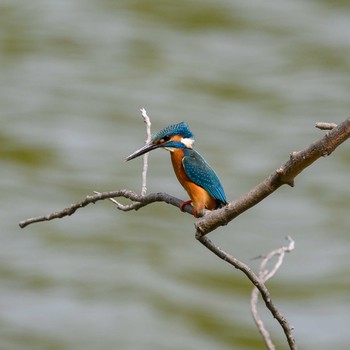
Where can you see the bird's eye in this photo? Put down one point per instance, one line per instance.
(165, 138)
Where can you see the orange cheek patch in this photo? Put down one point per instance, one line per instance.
(176, 138)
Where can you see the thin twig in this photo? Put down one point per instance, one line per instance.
(258, 283)
(138, 202)
(284, 175)
(131, 206)
(145, 157)
(325, 126)
(120, 206)
(264, 275)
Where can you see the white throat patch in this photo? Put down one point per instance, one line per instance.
(187, 142)
(170, 149)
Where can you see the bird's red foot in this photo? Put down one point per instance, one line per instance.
(182, 206)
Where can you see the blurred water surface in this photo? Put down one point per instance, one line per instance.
(251, 79)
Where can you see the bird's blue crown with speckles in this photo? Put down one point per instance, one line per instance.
(175, 129)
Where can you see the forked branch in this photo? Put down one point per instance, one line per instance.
(285, 174)
(138, 201)
(264, 275)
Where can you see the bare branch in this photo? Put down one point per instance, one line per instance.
(139, 202)
(145, 157)
(265, 275)
(284, 175)
(120, 206)
(144, 171)
(258, 283)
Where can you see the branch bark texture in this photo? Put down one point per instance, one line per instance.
(285, 174)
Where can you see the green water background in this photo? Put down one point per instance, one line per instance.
(251, 79)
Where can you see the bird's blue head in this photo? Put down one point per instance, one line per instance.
(171, 138)
(180, 129)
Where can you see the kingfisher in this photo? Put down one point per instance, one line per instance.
(192, 171)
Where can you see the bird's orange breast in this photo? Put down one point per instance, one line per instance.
(199, 196)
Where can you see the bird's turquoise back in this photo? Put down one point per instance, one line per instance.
(200, 172)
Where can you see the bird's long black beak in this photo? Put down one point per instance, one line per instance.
(146, 148)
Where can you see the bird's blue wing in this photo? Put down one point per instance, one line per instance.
(200, 172)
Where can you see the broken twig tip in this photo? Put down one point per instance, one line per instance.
(291, 183)
(325, 126)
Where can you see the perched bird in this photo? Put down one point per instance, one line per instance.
(193, 172)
